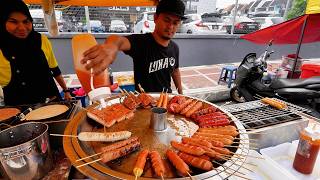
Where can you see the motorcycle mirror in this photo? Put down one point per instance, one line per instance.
(270, 42)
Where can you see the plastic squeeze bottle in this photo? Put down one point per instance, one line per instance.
(96, 86)
(307, 152)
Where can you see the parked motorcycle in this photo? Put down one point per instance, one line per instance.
(249, 83)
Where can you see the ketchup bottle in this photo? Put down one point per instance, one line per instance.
(81, 43)
(307, 152)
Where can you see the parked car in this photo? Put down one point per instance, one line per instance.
(213, 21)
(117, 26)
(193, 25)
(145, 23)
(268, 21)
(96, 27)
(242, 25)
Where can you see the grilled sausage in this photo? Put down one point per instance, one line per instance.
(214, 135)
(229, 127)
(213, 142)
(165, 101)
(183, 105)
(219, 131)
(186, 109)
(194, 150)
(221, 150)
(160, 100)
(116, 153)
(118, 144)
(141, 161)
(157, 163)
(194, 141)
(178, 163)
(274, 103)
(196, 161)
(106, 137)
(194, 108)
(223, 140)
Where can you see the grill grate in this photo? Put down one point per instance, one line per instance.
(255, 115)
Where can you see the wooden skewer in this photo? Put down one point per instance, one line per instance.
(241, 166)
(252, 133)
(89, 162)
(241, 155)
(238, 175)
(225, 166)
(190, 176)
(238, 158)
(64, 135)
(140, 87)
(136, 177)
(136, 92)
(89, 156)
(126, 92)
(247, 139)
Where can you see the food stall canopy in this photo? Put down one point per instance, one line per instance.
(98, 2)
(288, 32)
(313, 7)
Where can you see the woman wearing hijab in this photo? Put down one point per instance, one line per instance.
(27, 62)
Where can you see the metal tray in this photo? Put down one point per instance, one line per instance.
(139, 126)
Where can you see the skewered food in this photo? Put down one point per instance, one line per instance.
(178, 163)
(118, 144)
(111, 114)
(122, 151)
(141, 161)
(157, 163)
(106, 136)
(146, 100)
(187, 148)
(196, 161)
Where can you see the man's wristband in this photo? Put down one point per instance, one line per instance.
(66, 90)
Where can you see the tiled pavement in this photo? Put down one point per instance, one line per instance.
(198, 81)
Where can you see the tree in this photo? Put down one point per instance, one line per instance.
(298, 9)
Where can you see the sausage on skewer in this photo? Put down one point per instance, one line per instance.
(157, 163)
(196, 161)
(141, 161)
(178, 163)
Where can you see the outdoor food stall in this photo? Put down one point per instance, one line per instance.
(140, 135)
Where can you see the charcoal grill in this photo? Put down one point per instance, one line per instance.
(268, 125)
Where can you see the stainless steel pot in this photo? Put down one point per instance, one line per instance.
(25, 151)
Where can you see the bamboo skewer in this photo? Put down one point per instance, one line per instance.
(237, 175)
(246, 155)
(226, 167)
(89, 156)
(89, 163)
(162, 177)
(64, 135)
(190, 176)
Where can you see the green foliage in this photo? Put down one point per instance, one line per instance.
(298, 9)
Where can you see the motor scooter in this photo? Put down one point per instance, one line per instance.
(249, 84)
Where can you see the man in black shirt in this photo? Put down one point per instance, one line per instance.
(155, 55)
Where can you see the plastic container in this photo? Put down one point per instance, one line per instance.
(288, 62)
(283, 155)
(81, 43)
(310, 70)
(307, 151)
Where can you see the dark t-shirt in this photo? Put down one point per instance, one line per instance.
(153, 63)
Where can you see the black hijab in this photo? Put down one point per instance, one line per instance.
(31, 79)
(10, 44)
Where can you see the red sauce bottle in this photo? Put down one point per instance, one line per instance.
(307, 152)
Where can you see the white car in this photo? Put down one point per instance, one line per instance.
(212, 21)
(117, 26)
(268, 21)
(193, 25)
(145, 23)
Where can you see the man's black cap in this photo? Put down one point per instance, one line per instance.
(175, 7)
